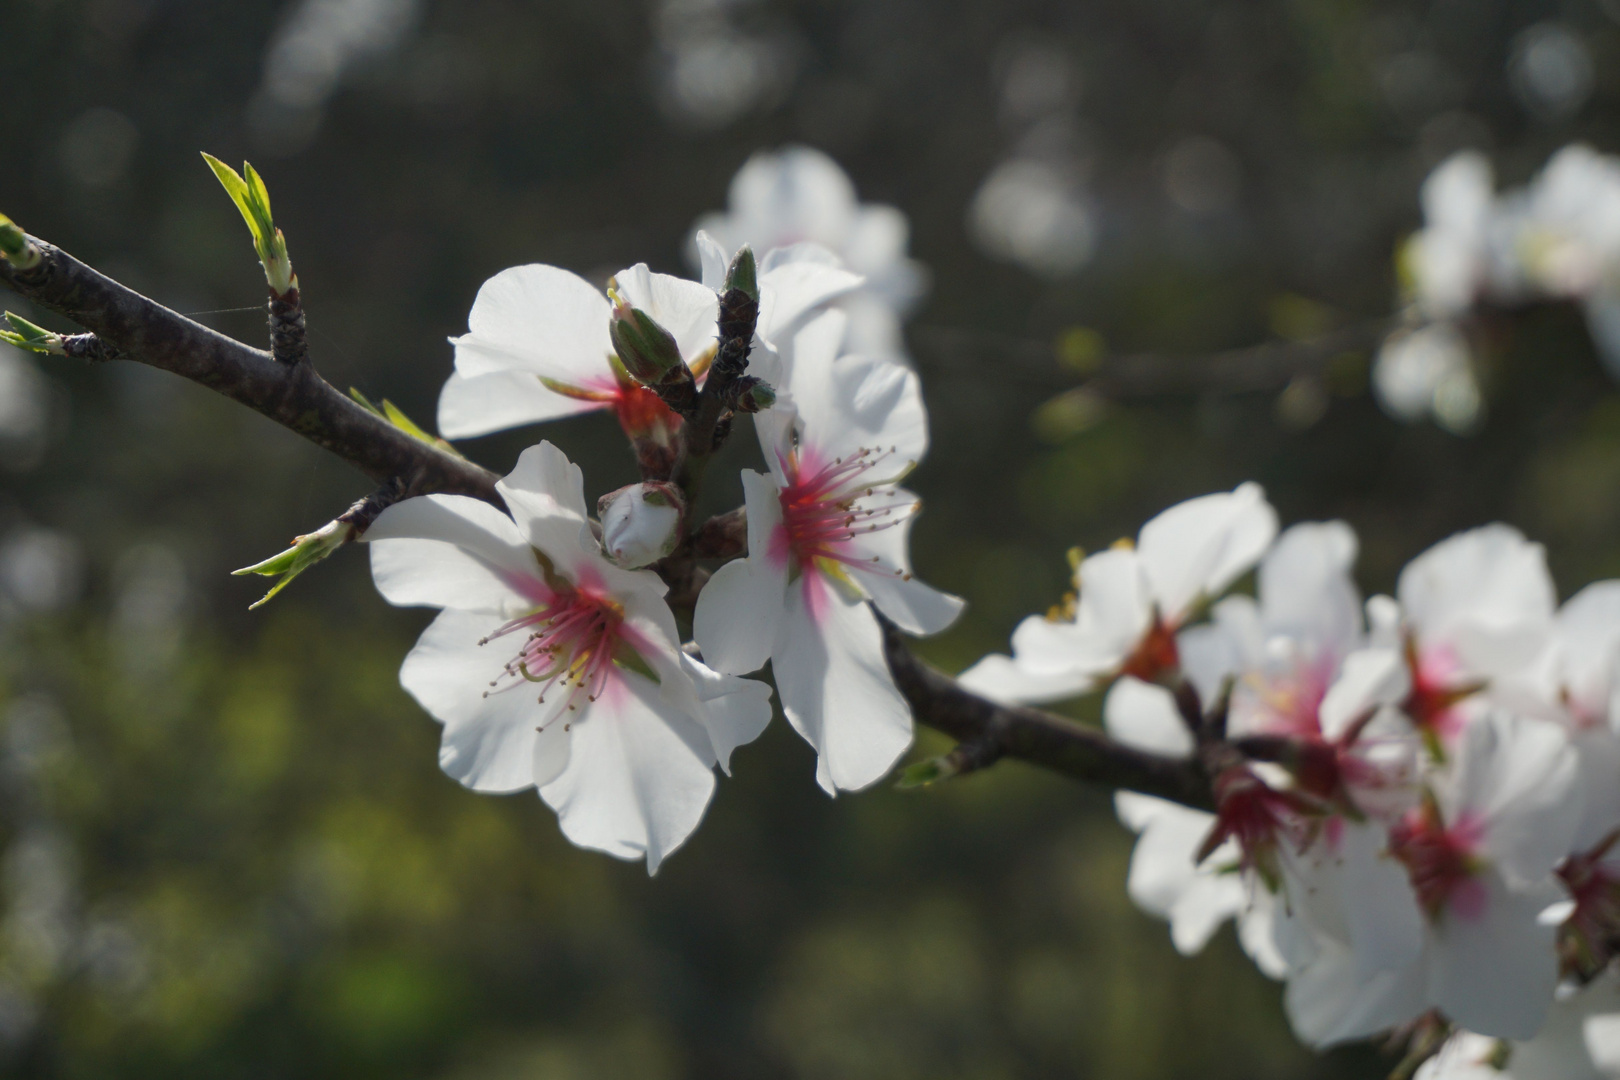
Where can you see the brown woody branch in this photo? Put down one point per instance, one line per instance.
(128, 325)
(292, 395)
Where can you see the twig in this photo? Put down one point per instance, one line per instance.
(290, 394)
(295, 396)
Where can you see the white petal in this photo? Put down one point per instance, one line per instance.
(1519, 776)
(1115, 607)
(1306, 589)
(1002, 679)
(546, 494)
(910, 604)
(1328, 1002)
(539, 319)
(1486, 591)
(639, 778)
(451, 551)
(738, 614)
(836, 687)
(713, 260)
(1495, 973)
(1145, 717)
(861, 403)
(685, 308)
(789, 291)
(501, 400)
(736, 711)
(1368, 679)
(491, 743)
(740, 608)
(1199, 547)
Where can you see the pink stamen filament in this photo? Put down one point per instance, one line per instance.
(821, 512)
(1441, 861)
(573, 639)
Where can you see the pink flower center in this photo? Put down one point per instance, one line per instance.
(1258, 817)
(573, 639)
(1285, 702)
(1438, 687)
(1441, 860)
(821, 511)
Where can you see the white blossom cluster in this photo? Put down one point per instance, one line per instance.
(556, 662)
(1417, 798)
(1558, 238)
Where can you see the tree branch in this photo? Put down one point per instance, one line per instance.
(292, 395)
(129, 325)
(1040, 738)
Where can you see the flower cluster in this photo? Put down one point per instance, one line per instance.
(1556, 239)
(1416, 798)
(556, 661)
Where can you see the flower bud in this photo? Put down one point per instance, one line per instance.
(754, 395)
(648, 351)
(743, 274)
(641, 523)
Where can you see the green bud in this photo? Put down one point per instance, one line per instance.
(648, 351)
(25, 335)
(252, 199)
(923, 774)
(306, 551)
(744, 274)
(754, 395)
(15, 246)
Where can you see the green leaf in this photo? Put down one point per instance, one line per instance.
(252, 199)
(25, 335)
(921, 774)
(396, 416)
(305, 552)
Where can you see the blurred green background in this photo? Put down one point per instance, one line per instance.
(227, 848)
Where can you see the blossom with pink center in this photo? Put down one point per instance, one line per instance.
(1131, 601)
(1479, 856)
(1476, 610)
(538, 346)
(552, 668)
(827, 532)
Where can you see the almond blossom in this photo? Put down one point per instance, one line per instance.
(1131, 600)
(827, 532)
(798, 198)
(538, 346)
(552, 668)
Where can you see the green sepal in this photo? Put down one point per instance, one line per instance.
(395, 416)
(25, 335)
(306, 551)
(630, 660)
(921, 774)
(252, 199)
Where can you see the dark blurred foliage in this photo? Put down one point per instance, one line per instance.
(228, 848)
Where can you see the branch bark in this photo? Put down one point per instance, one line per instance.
(130, 326)
(292, 395)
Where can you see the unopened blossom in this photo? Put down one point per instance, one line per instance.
(827, 533)
(1131, 600)
(538, 346)
(800, 197)
(1428, 370)
(1449, 260)
(641, 522)
(552, 668)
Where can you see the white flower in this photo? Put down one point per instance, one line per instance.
(1426, 371)
(827, 531)
(538, 347)
(1475, 611)
(1479, 855)
(1132, 600)
(1449, 258)
(799, 196)
(552, 668)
